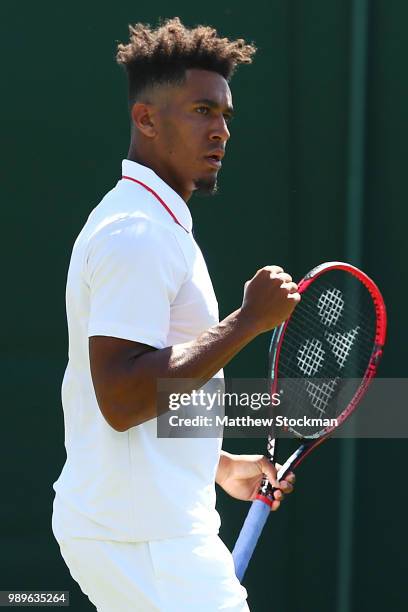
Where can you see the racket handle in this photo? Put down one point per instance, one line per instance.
(249, 536)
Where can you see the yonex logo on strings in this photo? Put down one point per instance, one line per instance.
(311, 355)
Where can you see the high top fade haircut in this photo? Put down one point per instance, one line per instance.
(162, 55)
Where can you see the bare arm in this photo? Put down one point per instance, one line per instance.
(125, 373)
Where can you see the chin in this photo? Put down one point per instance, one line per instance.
(206, 186)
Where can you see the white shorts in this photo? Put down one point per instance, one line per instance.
(190, 574)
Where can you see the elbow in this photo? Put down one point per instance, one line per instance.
(116, 417)
(121, 411)
(117, 425)
(120, 418)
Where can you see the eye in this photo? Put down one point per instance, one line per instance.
(228, 118)
(203, 110)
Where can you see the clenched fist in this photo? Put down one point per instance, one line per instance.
(269, 298)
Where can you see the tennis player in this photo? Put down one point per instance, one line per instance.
(135, 514)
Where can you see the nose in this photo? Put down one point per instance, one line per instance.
(220, 131)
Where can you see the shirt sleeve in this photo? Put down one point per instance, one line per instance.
(134, 270)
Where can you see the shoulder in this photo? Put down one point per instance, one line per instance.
(134, 246)
(134, 232)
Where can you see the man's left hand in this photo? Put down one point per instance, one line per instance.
(241, 476)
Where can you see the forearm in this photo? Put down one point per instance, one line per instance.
(133, 396)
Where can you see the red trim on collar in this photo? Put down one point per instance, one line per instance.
(172, 215)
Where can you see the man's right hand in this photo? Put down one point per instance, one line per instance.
(269, 298)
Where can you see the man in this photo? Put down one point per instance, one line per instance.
(134, 514)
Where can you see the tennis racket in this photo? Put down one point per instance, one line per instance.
(322, 360)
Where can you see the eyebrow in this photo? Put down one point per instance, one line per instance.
(215, 105)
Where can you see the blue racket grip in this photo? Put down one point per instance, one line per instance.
(249, 536)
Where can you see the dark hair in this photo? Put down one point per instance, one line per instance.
(162, 55)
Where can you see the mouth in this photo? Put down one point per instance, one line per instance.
(214, 159)
(213, 162)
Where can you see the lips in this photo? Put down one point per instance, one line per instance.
(213, 161)
(215, 157)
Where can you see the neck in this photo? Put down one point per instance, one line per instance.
(151, 161)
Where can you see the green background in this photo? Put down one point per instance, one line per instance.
(284, 199)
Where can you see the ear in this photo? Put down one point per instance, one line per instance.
(143, 119)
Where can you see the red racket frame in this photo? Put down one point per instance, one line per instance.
(371, 370)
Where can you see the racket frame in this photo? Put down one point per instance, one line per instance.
(265, 493)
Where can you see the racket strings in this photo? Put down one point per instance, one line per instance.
(326, 348)
(313, 355)
(303, 320)
(303, 315)
(320, 398)
(330, 306)
(306, 326)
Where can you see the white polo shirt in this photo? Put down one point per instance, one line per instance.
(136, 273)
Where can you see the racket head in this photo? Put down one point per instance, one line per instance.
(335, 336)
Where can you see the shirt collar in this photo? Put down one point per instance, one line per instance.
(175, 205)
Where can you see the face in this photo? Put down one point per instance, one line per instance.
(191, 123)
